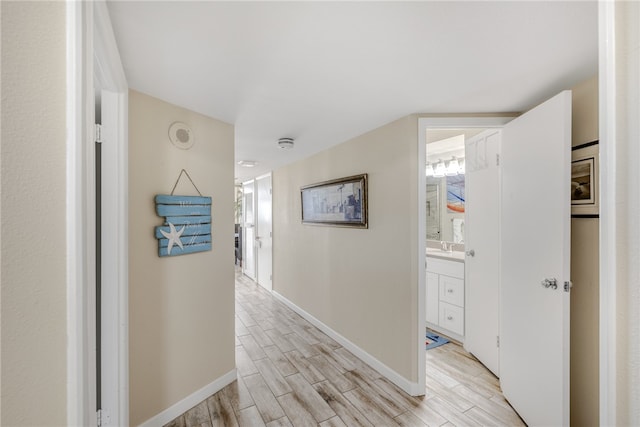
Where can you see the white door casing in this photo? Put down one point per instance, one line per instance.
(425, 123)
(263, 238)
(535, 240)
(482, 239)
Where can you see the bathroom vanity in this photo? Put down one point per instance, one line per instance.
(445, 292)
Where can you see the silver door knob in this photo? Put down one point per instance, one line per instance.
(471, 252)
(550, 283)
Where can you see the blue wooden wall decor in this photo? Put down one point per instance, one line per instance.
(187, 226)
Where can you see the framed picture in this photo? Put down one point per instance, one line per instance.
(584, 180)
(339, 202)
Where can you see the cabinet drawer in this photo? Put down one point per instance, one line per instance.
(452, 318)
(452, 290)
(449, 268)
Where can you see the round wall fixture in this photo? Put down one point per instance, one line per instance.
(285, 143)
(181, 135)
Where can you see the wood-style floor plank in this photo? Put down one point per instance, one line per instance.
(292, 374)
(263, 397)
(341, 405)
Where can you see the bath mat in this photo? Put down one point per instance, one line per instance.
(433, 340)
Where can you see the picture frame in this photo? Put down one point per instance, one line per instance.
(584, 180)
(339, 202)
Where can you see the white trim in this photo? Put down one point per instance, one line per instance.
(422, 254)
(410, 387)
(110, 78)
(425, 123)
(190, 401)
(608, 241)
(80, 225)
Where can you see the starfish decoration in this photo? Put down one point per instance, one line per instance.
(173, 236)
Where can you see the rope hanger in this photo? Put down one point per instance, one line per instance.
(178, 180)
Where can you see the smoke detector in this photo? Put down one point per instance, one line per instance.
(285, 143)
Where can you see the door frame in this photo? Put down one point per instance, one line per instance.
(109, 73)
(90, 38)
(424, 123)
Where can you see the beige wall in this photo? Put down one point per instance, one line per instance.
(584, 274)
(181, 309)
(33, 230)
(360, 282)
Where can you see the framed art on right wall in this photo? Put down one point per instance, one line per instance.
(584, 180)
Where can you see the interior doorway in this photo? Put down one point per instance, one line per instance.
(456, 131)
(257, 230)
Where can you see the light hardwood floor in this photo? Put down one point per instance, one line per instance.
(292, 374)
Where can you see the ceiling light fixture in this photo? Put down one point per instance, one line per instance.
(285, 143)
(247, 163)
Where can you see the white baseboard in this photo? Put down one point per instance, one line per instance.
(190, 401)
(411, 388)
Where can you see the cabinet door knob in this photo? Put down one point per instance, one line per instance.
(449, 317)
(450, 291)
(471, 252)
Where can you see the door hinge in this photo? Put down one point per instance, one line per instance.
(497, 159)
(568, 285)
(498, 341)
(271, 277)
(103, 417)
(270, 191)
(98, 133)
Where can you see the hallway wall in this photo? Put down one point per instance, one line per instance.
(362, 283)
(181, 309)
(34, 214)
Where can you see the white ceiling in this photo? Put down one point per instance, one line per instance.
(324, 72)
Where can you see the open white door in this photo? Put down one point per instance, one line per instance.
(248, 230)
(535, 237)
(264, 231)
(482, 244)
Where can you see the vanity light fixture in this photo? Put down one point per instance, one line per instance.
(429, 171)
(440, 170)
(453, 168)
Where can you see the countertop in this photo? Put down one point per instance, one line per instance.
(457, 256)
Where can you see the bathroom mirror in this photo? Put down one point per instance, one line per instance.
(433, 212)
(445, 172)
(445, 209)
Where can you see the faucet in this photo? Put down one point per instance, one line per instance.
(444, 248)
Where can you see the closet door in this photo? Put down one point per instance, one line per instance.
(535, 253)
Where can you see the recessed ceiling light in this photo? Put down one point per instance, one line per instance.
(247, 163)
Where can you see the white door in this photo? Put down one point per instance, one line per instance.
(535, 236)
(248, 230)
(264, 231)
(482, 244)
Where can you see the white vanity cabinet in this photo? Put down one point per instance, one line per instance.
(445, 296)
